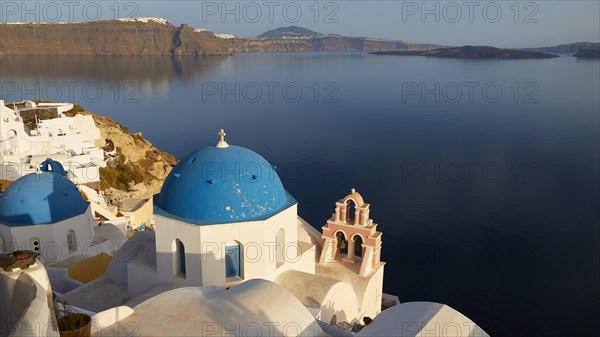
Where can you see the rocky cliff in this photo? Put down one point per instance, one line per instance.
(295, 38)
(323, 42)
(144, 37)
(138, 170)
(155, 36)
(113, 37)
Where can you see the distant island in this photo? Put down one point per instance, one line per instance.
(288, 32)
(473, 52)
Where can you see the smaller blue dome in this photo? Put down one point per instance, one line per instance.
(53, 166)
(40, 198)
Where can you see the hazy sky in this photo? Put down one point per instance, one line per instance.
(498, 23)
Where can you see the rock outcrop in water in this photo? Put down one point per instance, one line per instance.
(588, 53)
(474, 52)
(566, 49)
(112, 37)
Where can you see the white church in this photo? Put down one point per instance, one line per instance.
(229, 249)
(45, 208)
(224, 217)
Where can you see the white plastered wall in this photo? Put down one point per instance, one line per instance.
(26, 307)
(53, 237)
(205, 249)
(371, 301)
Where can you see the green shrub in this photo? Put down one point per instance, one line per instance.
(120, 175)
(76, 110)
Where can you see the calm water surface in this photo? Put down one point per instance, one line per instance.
(482, 175)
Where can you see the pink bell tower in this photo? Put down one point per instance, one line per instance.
(352, 236)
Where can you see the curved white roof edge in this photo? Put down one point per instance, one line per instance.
(415, 319)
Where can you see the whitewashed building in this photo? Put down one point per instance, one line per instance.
(46, 213)
(68, 140)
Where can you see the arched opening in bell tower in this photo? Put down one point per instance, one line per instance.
(342, 243)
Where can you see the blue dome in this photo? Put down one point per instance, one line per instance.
(222, 185)
(40, 198)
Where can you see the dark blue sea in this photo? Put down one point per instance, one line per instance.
(483, 175)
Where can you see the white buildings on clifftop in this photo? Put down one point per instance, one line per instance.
(68, 140)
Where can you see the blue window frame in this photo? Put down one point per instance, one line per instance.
(232, 261)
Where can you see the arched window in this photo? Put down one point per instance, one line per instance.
(280, 239)
(178, 258)
(233, 261)
(333, 320)
(350, 212)
(358, 241)
(11, 133)
(342, 243)
(1, 243)
(71, 241)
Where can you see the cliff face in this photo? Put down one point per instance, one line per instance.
(295, 38)
(139, 169)
(320, 43)
(106, 38)
(189, 42)
(153, 37)
(157, 37)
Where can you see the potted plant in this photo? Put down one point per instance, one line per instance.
(70, 322)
